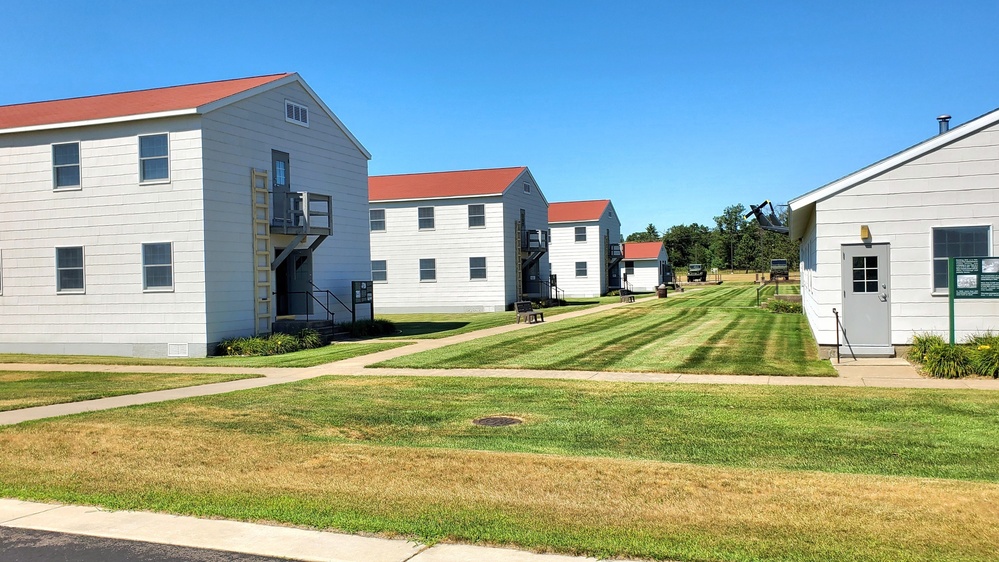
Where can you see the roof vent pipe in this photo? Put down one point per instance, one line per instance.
(944, 123)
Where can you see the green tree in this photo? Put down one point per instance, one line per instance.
(728, 228)
(650, 234)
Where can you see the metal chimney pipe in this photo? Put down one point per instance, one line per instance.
(944, 123)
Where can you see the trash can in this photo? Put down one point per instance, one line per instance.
(661, 291)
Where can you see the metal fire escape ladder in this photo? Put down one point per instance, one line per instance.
(262, 252)
(613, 253)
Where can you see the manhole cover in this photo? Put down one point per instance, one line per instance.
(497, 421)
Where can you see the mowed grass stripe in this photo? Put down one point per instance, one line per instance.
(675, 472)
(28, 389)
(653, 336)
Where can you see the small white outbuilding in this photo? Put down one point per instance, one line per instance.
(645, 266)
(875, 244)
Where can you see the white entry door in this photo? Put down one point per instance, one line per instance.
(866, 317)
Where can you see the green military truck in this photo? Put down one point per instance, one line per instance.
(778, 269)
(696, 272)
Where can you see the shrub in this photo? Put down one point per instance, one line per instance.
(779, 306)
(273, 344)
(310, 339)
(921, 345)
(948, 361)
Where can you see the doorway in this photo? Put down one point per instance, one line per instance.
(293, 283)
(866, 318)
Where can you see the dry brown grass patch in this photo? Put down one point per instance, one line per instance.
(574, 493)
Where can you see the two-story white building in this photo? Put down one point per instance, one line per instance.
(645, 266)
(585, 247)
(875, 244)
(160, 222)
(460, 241)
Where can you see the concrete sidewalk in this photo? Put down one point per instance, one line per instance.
(868, 372)
(300, 544)
(247, 538)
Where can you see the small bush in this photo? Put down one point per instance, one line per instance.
(310, 339)
(273, 344)
(779, 306)
(921, 345)
(984, 351)
(948, 361)
(369, 328)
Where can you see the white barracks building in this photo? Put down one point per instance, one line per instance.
(461, 241)
(160, 222)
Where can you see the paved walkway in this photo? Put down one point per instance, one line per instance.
(299, 544)
(247, 538)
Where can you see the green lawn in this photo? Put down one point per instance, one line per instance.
(27, 389)
(668, 472)
(304, 358)
(715, 329)
(441, 325)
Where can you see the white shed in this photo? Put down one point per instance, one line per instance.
(874, 244)
(160, 222)
(586, 247)
(459, 241)
(645, 265)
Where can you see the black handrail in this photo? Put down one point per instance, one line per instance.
(331, 294)
(559, 293)
(837, 334)
(310, 295)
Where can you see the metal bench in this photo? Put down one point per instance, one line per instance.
(526, 311)
(627, 296)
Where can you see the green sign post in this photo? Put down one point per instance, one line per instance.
(971, 278)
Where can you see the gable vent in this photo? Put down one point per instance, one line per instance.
(295, 113)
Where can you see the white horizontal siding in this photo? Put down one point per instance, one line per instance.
(111, 216)
(566, 251)
(957, 185)
(451, 243)
(323, 160)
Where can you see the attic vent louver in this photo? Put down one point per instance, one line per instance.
(296, 113)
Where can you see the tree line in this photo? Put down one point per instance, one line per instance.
(732, 243)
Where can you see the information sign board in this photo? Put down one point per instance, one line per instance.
(975, 278)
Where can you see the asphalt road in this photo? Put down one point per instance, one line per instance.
(22, 545)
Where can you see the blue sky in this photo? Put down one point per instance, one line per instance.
(673, 110)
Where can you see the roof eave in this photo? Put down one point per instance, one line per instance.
(896, 160)
(293, 77)
(407, 199)
(105, 121)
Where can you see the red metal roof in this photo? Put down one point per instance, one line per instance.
(572, 211)
(431, 185)
(123, 104)
(642, 250)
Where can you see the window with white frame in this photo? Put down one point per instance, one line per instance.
(296, 113)
(379, 271)
(629, 267)
(157, 266)
(154, 158)
(69, 270)
(580, 269)
(428, 270)
(426, 218)
(580, 234)
(476, 216)
(476, 268)
(66, 165)
(527, 187)
(377, 219)
(956, 242)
